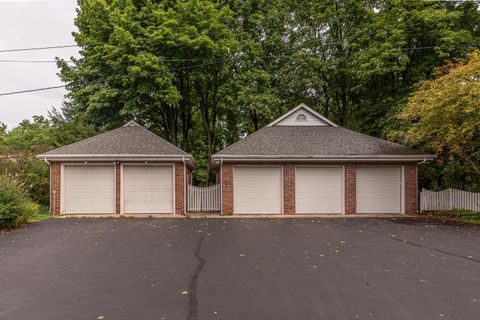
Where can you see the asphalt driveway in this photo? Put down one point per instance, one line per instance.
(240, 269)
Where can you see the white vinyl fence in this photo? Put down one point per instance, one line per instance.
(203, 199)
(449, 199)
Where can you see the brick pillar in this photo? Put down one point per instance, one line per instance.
(289, 188)
(179, 188)
(410, 172)
(350, 188)
(227, 188)
(55, 174)
(117, 188)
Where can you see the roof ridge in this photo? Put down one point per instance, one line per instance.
(131, 123)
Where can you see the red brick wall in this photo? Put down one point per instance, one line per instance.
(179, 188)
(411, 185)
(227, 188)
(289, 188)
(55, 174)
(350, 185)
(350, 188)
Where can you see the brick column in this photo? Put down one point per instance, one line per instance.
(350, 188)
(289, 188)
(55, 175)
(410, 177)
(179, 188)
(117, 188)
(227, 188)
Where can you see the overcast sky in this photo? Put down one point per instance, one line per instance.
(25, 24)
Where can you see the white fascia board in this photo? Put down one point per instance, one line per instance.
(123, 157)
(325, 158)
(304, 106)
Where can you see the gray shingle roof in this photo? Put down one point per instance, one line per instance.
(131, 139)
(314, 141)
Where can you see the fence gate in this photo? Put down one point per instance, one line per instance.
(449, 199)
(203, 199)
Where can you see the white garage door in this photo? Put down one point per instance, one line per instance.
(89, 189)
(379, 189)
(318, 190)
(257, 190)
(148, 189)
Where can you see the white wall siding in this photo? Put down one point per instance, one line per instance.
(312, 120)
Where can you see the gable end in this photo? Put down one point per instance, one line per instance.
(302, 115)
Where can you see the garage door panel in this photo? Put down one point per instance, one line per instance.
(379, 189)
(318, 190)
(257, 190)
(148, 189)
(89, 189)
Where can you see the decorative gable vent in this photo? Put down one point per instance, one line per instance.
(301, 117)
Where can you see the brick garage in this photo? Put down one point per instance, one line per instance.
(409, 187)
(128, 170)
(337, 170)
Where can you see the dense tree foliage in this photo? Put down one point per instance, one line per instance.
(203, 73)
(444, 115)
(19, 146)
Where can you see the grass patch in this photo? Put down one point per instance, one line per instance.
(39, 216)
(465, 216)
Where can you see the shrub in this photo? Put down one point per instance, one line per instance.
(15, 205)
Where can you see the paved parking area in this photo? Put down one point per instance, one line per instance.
(240, 269)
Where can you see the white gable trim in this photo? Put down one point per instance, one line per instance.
(304, 106)
(131, 123)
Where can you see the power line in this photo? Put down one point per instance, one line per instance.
(30, 90)
(209, 61)
(39, 48)
(27, 61)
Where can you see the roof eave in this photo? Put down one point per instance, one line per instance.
(188, 159)
(217, 159)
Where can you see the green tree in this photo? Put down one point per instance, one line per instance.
(20, 146)
(443, 113)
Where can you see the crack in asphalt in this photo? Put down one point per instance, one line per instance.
(192, 287)
(418, 245)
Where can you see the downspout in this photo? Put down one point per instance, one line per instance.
(221, 186)
(184, 187)
(50, 186)
(416, 182)
(423, 161)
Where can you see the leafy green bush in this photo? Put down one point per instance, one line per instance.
(15, 205)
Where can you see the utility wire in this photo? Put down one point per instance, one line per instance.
(209, 61)
(30, 90)
(39, 48)
(206, 62)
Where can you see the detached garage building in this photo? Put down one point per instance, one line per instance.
(129, 170)
(302, 163)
